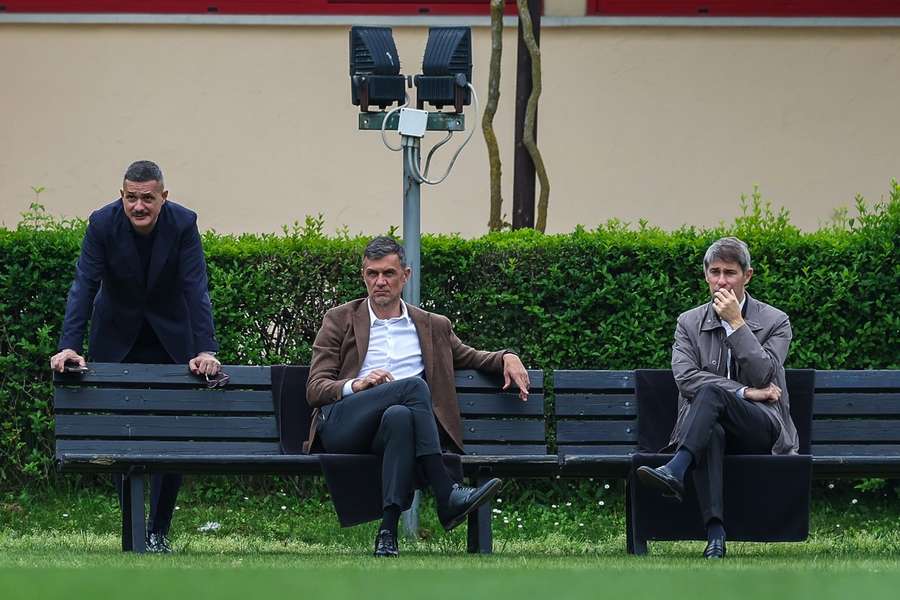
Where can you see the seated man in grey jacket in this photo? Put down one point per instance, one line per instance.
(728, 362)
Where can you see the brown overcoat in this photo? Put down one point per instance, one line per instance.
(758, 348)
(343, 340)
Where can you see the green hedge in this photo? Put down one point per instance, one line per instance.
(600, 299)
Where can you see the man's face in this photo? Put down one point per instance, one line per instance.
(728, 276)
(142, 201)
(384, 279)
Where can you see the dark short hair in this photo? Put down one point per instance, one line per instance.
(144, 170)
(728, 249)
(382, 246)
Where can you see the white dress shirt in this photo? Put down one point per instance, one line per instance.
(393, 346)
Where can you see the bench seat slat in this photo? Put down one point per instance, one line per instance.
(595, 405)
(142, 400)
(855, 430)
(150, 447)
(503, 430)
(849, 404)
(500, 405)
(133, 426)
(162, 375)
(579, 432)
(593, 380)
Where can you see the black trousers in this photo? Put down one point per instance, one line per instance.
(720, 422)
(394, 420)
(163, 486)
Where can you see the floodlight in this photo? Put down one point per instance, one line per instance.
(375, 77)
(446, 68)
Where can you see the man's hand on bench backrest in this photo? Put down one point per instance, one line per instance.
(515, 372)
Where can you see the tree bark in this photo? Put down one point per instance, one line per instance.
(495, 221)
(528, 137)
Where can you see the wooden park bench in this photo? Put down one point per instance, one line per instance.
(135, 419)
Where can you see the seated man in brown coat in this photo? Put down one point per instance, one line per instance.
(728, 362)
(367, 383)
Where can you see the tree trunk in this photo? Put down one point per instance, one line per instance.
(528, 138)
(495, 222)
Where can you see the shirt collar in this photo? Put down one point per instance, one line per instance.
(404, 314)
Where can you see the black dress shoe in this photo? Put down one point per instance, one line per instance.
(386, 543)
(663, 480)
(157, 543)
(463, 500)
(715, 548)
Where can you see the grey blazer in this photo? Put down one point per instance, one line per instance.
(758, 349)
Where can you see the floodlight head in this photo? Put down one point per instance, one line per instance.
(375, 77)
(446, 68)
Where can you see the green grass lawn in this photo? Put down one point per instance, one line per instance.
(277, 544)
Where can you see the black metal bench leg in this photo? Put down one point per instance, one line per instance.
(479, 532)
(133, 522)
(125, 508)
(632, 544)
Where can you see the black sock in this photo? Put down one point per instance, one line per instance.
(390, 519)
(715, 529)
(438, 477)
(680, 463)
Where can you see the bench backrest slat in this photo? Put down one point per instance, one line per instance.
(885, 379)
(501, 405)
(476, 449)
(191, 427)
(845, 450)
(132, 400)
(574, 432)
(849, 404)
(856, 430)
(585, 404)
(163, 376)
(502, 430)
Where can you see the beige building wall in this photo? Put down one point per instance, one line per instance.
(254, 128)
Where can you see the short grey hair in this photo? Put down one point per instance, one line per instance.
(382, 246)
(728, 249)
(144, 170)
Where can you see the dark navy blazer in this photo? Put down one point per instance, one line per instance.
(111, 289)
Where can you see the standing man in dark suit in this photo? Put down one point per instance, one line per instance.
(141, 280)
(728, 362)
(367, 383)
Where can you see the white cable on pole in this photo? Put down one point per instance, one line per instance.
(384, 123)
(414, 164)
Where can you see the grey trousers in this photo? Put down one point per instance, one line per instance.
(394, 420)
(720, 422)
